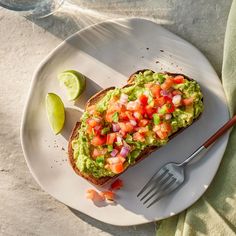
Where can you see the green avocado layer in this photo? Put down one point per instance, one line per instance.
(181, 117)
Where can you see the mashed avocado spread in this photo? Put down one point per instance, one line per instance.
(127, 120)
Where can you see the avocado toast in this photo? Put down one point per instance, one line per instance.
(121, 126)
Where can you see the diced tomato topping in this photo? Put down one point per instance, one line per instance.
(176, 92)
(108, 116)
(108, 195)
(143, 122)
(94, 195)
(167, 84)
(117, 184)
(143, 130)
(126, 127)
(111, 138)
(155, 89)
(93, 123)
(129, 115)
(150, 111)
(96, 152)
(137, 115)
(121, 158)
(143, 99)
(117, 168)
(138, 137)
(98, 140)
(89, 130)
(179, 79)
(187, 101)
(159, 101)
(165, 127)
(161, 135)
(170, 107)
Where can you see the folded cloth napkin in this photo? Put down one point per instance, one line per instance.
(215, 212)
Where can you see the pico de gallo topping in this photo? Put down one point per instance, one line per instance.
(127, 120)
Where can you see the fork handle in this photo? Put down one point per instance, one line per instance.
(211, 140)
(220, 131)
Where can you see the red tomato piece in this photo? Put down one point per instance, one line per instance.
(117, 168)
(117, 184)
(111, 138)
(187, 101)
(108, 195)
(170, 107)
(108, 116)
(94, 195)
(89, 130)
(159, 101)
(150, 111)
(143, 99)
(129, 115)
(167, 84)
(143, 122)
(176, 92)
(138, 137)
(179, 79)
(165, 127)
(98, 140)
(155, 89)
(93, 123)
(126, 127)
(161, 135)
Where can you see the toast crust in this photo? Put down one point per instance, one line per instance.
(147, 151)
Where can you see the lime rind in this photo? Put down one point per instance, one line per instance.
(74, 82)
(55, 112)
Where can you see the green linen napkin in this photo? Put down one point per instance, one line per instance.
(215, 212)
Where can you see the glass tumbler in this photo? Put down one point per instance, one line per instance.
(32, 8)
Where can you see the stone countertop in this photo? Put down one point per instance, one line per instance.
(25, 209)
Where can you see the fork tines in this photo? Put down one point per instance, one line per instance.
(160, 184)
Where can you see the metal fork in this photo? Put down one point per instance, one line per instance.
(171, 175)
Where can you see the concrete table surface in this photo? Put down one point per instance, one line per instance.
(24, 208)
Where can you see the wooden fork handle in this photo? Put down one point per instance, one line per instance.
(221, 131)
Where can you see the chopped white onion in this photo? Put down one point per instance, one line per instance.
(123, 98)
(168, 116)
(113, 160)
(146, 93)
(133, 122)
(118, 139)
(131, 105)
(176, 99)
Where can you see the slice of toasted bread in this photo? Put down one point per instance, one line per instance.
(147, 151)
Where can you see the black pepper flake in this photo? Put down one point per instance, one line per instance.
(161, 50)
(142, 56)
(157, 62)
(63, 149)
(147, 48)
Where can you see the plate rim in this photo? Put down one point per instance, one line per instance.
(30, 91)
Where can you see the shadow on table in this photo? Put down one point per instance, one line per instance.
(139, 230)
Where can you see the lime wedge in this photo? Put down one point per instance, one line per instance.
(74, 83)
(56, 112)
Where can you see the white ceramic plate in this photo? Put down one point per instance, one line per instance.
(108, 53)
